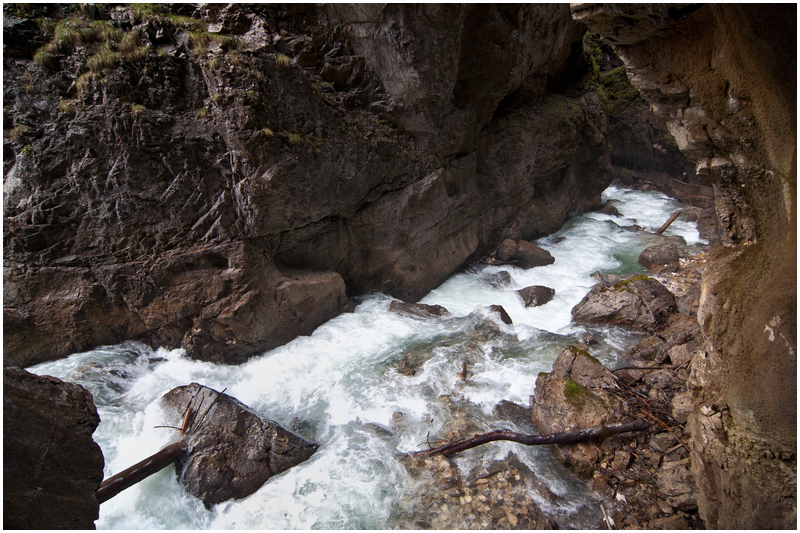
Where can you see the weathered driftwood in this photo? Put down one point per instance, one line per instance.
(115, 484)
(669, 221)
(533, 440)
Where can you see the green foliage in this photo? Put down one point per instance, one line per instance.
(616, 92)
(129, 42)
(46, 56)
(26, 149)
(143, 12)
(575, 393)
(202, 112)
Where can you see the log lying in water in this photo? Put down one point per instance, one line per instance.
(533, 440)
(669, 221)
(112, 486)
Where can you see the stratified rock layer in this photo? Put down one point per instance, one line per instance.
(51, 466)
(226, 193)
(723, 80)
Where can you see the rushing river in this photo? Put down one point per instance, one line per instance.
(341, 388)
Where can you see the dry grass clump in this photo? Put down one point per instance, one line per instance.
(18, 133)
(282, 60)
(67, 107)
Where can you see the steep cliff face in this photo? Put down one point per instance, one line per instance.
(722, 78)
(223, 177)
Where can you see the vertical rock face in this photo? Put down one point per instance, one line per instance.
(722, 78)
(225, 183)
(51, 466)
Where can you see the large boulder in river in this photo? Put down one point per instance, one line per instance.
(523, 253)
(655, 258)
(51, 466)
(571, 397)
(233, 450)
(639, 302)
(419, 311)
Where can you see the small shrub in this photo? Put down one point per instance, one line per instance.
(30, 88)
(282, 60)
(26, 149)
(295, 139)
(228, 41)
(268, 132)
(216, 98)
(213, 63)
(138, 109)
(202, 112)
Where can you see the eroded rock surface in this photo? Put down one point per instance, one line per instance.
(233, 451)
(224, 197)
(722, 79)
(51, 466)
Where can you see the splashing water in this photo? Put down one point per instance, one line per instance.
(341, 388)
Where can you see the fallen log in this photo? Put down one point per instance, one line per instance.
(115, 484)
(534, 440)
(669, 221)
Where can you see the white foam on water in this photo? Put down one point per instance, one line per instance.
(336, 385)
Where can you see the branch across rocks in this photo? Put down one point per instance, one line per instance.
(535, 440)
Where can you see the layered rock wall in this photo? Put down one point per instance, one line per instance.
(222, 178)
(722, 79)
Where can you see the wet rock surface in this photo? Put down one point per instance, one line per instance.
(646, 479)
(233, 451)
(636, 301)
(51, 466)
(536, 295)
(523, 254)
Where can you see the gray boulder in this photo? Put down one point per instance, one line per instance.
(639, 302)
(655, 258)
(233, 451)
(419, 311)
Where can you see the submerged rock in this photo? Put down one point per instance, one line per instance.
(233, 451)
(51, 466)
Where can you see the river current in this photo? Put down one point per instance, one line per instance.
(341, 387)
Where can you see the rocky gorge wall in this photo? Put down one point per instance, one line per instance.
(223, 178)
(722, 79)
